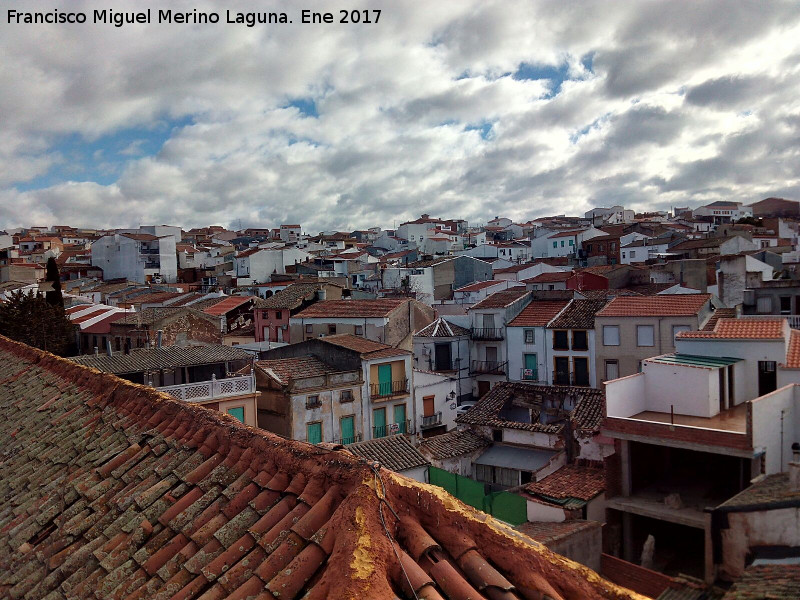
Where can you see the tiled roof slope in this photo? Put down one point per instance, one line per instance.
(299, 367)
(441, 327)
(720, 313)
(453, 443)
(669, 305)
(167, 357)
(741, 329)
(538, 313)
(368, 349)
(793, 353)
(767, 582)
(771, 492)
(290, 297)
(109, 489)
(394, 452)
(589, 409)
(578, 315)
(500, 299)
(351, 308)
(571, 481)
(227, 304)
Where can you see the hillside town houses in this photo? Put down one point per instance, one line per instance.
(623, 387)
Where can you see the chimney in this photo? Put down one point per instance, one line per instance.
(108, 347)
(794, 468)
(159, 337)
(95, 351)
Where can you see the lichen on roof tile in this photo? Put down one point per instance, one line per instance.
(163, 499)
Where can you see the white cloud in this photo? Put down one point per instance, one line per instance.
(685, 103)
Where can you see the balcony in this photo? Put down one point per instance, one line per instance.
(489, 367)
(487, 333)
(434, 420)
(388, 389)
(204, 391)
(392, 429)
(348, 440)
(528, 374)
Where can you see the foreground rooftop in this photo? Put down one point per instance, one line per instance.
(109, 489)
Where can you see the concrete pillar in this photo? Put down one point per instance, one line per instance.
(625, 467)
(628, 551)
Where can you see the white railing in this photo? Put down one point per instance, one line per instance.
(208, 390)
(794, 320)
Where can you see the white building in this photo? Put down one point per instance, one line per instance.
(723, 211)
(529, 351)
(140, 257)
(443, 347)
(562, 243)
(641, 250)
(614, 215)
(257, 265)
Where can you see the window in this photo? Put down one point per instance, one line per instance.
(570, 243)
(610, 335)
(612, 370)
(645, 335)
(530, 336)
(601, 247)
(555, 244)
(562, 243)
(314, 433)
(278, 314)
(561, 340)
(313, 402)
(346, 396)
(623, 255)
(580, 340)
(309, 329)
(497, 435)
(359, 330)
(786, 305)
(633, 253)
(331, 329)
(676, 329)
(580, 370)
(237, 412)
(764, 305)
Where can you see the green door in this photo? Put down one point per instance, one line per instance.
(384, 380)
(531, 368)
(237, 412)
(314, 433)
(347, 425)
(379, 423)
(400, 417)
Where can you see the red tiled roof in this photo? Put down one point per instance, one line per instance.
(104, 324)
(286, 369)
(142, 237)
(569, 233)
(571, 481)
(351, 308)
(112, 489)
(741, 329)
(515, 268)
(480, 285)
(669, 305)
(549, 277)
(229, 303)
(793, 354)
(366, 348)
(91, 314)
(249, 252)
(500, 299)
(538, 313)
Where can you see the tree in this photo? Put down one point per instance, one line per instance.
(30, 319)
(54, 297)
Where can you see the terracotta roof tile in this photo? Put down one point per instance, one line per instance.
(579, 314)
(538, 313)
(115, 490)
(741, 329)
(489, 410)
(793, 353)
(774, 581)
(480, 285)
(500, 299)
(394, 452)
(441, 327)
(669, 305)
(554, 277)
(287, 369)
(227, 304)
(452, 444)
(570, 481)
(327, 309)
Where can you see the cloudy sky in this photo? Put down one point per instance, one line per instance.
(460, 108)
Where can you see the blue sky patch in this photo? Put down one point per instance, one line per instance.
(306, 106)
(102, 160)
(485, 129)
